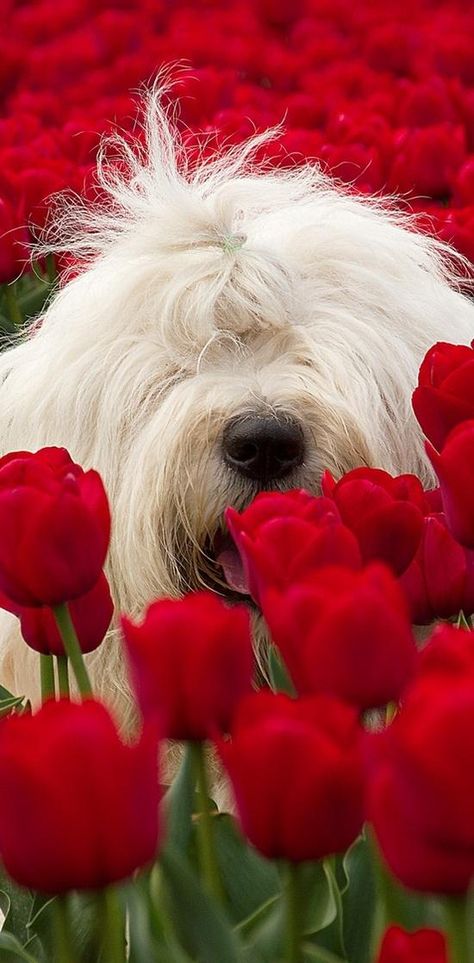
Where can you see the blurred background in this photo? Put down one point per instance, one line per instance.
(381, 94)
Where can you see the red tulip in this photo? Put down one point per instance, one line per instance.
(439, 582)
(78, 807)
(445, 393)
(427, 159)
(91, 615)
(385, 513)
(450, 651)
(55, 525)
(191, 662)
(454, 467)
(422, 946)
(344, 633)
(281, 538)
(421, 784)
(296, 773)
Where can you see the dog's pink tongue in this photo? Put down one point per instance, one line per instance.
(230, 561)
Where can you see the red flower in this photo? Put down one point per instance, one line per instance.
(296, 772)
(421, 784)
(422, 946)
(191, 661)
(450, 651)
(91, 615)
(455, 470)
(439, 583)
(457, 228)
(427, 159)
(55, 525)
(78, 807)
(282, 538)
(445, 393)
(345, 633)
(385, 513)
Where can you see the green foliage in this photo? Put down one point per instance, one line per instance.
(25, 299)
(278, 674)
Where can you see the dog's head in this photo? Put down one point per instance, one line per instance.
(231, 331)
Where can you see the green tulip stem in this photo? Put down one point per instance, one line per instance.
(47, 678)
(63, 676)
(111, 926)
(63, 951)
(13, 307)
(205, 835)
(72, 648)
(51, 271)
(455, 910)
(294, 915)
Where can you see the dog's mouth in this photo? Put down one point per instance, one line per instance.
(227, 556)
(224, 570)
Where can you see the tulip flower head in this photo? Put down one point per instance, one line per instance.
(55, 524)
(191, 662)
(297, 775)
(78, 807)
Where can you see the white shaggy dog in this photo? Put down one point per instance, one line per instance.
(231, 330)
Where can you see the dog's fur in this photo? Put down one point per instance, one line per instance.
(206, 292)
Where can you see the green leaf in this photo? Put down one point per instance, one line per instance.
(33, 301)
(19, 902)
(8, 701)
(321, 908)
(278, 674)
(6, 705)
(249, 880)
(395, 904)
(264, 931)
(358, 900)
(5, 694)
(317, 954)
(179, 803)
(11, 950)
(462, 622)
(333, 938)
(82, 909)
(149, 936)
(201, 925)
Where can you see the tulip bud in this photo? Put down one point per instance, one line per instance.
(55, 525)
(297, 775)
(78, 807)
(191, 662)
(445, 394)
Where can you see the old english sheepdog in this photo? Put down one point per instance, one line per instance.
(232, 328)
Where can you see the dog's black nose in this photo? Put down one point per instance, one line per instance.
(263, 448)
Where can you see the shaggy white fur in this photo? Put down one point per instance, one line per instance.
(207, 292)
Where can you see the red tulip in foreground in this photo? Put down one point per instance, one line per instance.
(55, 525)
(282, 537)
(439, 582)
(450, 652)
(385, 513)
(421, 783)
(78, 807)
(344, 633)
(296, 773)
(454, 466)
(91, 615)
(422, 946)
(445, 394)
(191, 662)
